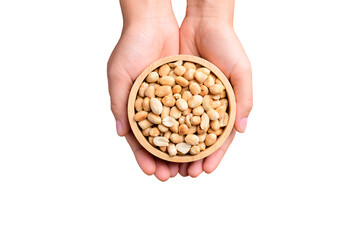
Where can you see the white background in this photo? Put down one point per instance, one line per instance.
(294, 174)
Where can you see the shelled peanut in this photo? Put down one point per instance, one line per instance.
(181, 108)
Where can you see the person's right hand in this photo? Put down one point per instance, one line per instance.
(150, 32)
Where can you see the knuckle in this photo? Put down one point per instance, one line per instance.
(115, 109)
(112, 71)
(247, 105)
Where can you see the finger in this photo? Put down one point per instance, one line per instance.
(162, 170)
(195, 168)
(120, 84)
(174, 169)
(144, 158)
(183, 169)
(241, 79)
(213, 161)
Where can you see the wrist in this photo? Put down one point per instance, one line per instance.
(220, 11)
(140, 11)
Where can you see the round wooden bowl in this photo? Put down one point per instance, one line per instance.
(185, 158)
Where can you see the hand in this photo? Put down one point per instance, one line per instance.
(207, 32)
(150, 32)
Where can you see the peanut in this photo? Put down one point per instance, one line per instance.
(204, 121)
(186, 95)
(161, 141)
(192, 130)
(216, 89)
(202, 146)
(189, 65)
(168, 101)
(146, 132)
(175, 112)
(215, 125)
(195, 101)
(198, 111)
(168, 121)
(216, 104)
(180, 70)
(181, 104)
(167, 81)
(194, 150)
(162, 91)
(216, 132)
(152, 77)
(189, 74)
(183, 148)
(224, 102)
(139, 116)
(204, 90)
(165, 112)
(146, 104)
(200, 76)
(154, 132)
(156, 106)
(194, 88)
(172, 149)
(224, 120)
(192, 139)
(138, 104)
(153, 118)
(175, 128)
(181, 120)
(213, 115)
(176, 89)
(204, 70)
(195, 120)
(221, 111)
(163, 128)
(182, 81)
(144, 124)
(183, 129)
(164, 70)
(143, 88)
(210, 80)
(176, 138)
(207, 103)
(150, 92)
(202, 137)
(210, 139)
(167, 134)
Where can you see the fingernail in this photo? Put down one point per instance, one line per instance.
(243, 123)
(119, 128)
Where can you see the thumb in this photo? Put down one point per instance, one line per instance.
(241, 79)
(119, 88)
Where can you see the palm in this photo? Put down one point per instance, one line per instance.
(137, 48)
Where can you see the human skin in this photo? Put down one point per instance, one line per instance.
(207, 31)
(150, 32)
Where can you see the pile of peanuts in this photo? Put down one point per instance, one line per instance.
(181, 108)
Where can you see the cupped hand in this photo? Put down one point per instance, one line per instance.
(214, 39)
(144, 40)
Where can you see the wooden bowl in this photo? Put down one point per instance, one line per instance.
(185, 158)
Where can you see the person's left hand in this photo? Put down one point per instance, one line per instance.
(212, 37)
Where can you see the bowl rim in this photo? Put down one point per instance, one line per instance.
(178, 158)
